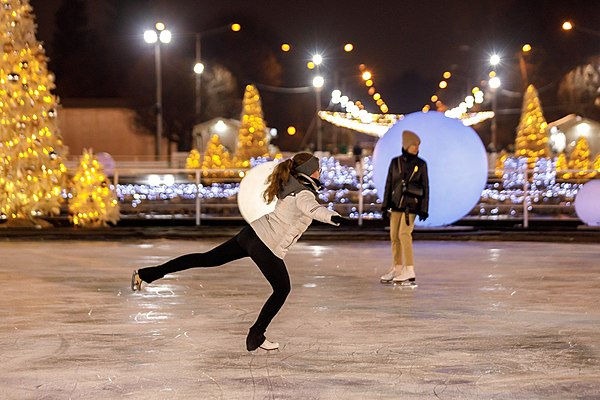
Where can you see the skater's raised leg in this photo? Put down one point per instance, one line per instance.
(222, 254)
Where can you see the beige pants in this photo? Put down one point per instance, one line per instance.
(401, 237)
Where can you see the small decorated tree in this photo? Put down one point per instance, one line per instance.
(31, 149)
(580, 159)
(252, 138)
(193, 160)
(596, 165)
(532, 140)
(94, 203)
(216, 157)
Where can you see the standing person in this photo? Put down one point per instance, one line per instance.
(406, 196)
(294, 182)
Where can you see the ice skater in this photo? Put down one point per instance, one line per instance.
(406, 196)
(295, 183)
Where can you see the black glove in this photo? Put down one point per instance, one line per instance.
(423, 216)
(338, 219)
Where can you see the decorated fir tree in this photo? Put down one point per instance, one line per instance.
(193, 160)
(562, 165)
(94, 203)
(252, 138)
(532, 140)
(580, 159)
(216, 157)
(31, 149)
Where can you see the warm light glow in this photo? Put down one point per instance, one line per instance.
(348, 47)
(443, 85)
(492, 74)
(376, 96)
(220, 126)
(495, 82)
(318, 81)
(369, 83)
(165, 36)
(434, 98)
(150, 36)
(366, 75)
(567, 25)
(291, 130)
(198, 68)
(447, 75)
(495, 59)
(317, 59)
(160, 26)
(236, 27)
(286, 47)
(310, 65)
(526, 48)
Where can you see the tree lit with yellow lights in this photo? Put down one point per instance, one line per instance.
(562, 165)
(580, 159)
(31, 149)
(94, 203)
(252, 138)
(193, 160)
(217, 161)
(532, 140)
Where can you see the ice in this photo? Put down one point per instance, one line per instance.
(489, 320)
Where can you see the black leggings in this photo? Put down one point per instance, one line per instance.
(244, 244)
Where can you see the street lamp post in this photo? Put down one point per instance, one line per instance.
(318, 83)
(157, 36)
(494, 85)
(199, 66)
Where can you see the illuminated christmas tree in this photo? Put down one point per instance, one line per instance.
(193, 160)
(216, 157)
(31, 149)
(532, 140)
(252, 138)
(94, 202)
(562, 165)
(580, 158)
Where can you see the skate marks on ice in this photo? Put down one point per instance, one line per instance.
(488, 320)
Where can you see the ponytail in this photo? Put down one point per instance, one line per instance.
(281, 175)
(275, 181)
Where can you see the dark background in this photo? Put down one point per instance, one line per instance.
(97, 50)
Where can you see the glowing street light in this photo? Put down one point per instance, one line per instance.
(157, 36)
(318, 82)
(199, 66)
(317, 59)
(495, 59)
(494, 82)
(348, 47)
(567, 25)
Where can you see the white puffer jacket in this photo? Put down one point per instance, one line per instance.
(283, 227)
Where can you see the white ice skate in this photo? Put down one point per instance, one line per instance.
(266, 345)
(406, 278)
(389, 276)
(136, 282)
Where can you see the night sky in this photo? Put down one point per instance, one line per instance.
(407, 44)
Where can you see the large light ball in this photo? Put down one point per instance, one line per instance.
(587, 201)
(250, 196)
(456, 161)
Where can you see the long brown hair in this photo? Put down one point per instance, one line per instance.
(281, 174)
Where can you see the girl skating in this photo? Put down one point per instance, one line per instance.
(294, 182)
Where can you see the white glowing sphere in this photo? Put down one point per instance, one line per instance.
(456, 161)
(586, 203)
(250, 197)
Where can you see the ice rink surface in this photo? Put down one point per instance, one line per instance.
(489, 320)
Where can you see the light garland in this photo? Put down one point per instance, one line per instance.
(377, 126)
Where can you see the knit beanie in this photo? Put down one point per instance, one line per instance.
(409, 138)
(309, 166)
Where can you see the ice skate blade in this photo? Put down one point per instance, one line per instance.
(386, 282)
(406, 284)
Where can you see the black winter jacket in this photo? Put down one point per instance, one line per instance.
(411, 170)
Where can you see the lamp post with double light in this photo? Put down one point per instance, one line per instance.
(158, 36)
(199, 66)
